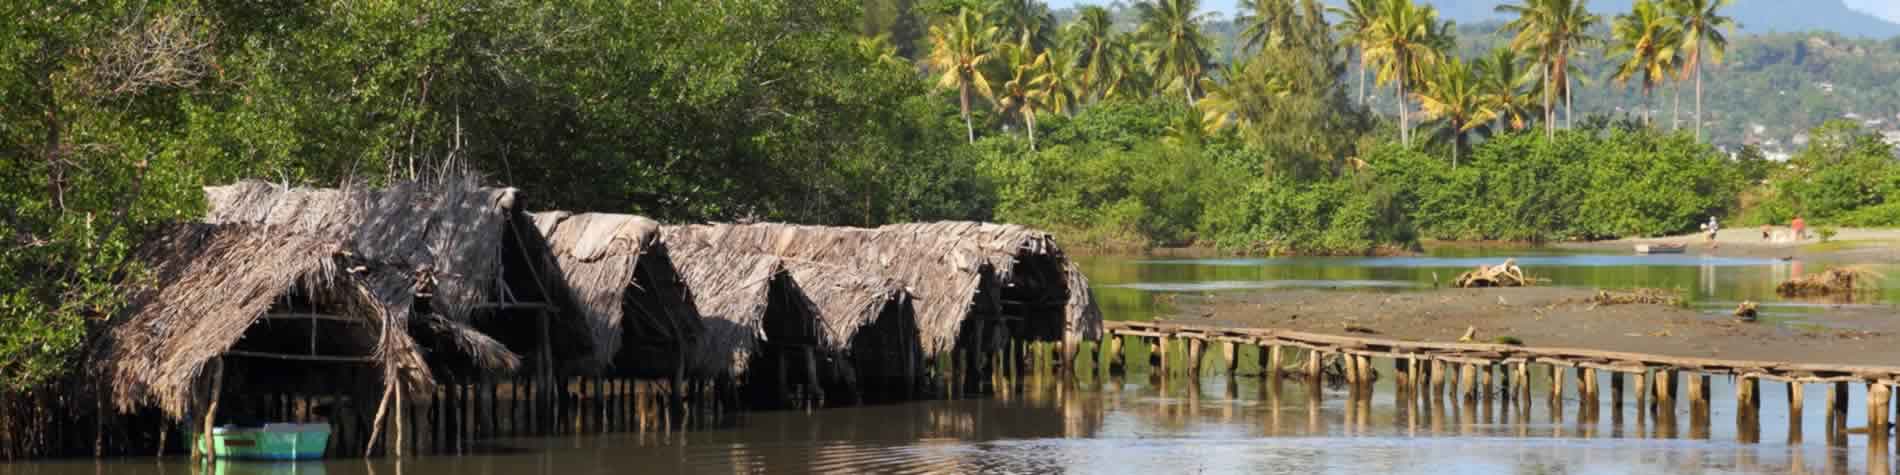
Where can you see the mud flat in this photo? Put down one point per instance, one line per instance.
(1558, 317)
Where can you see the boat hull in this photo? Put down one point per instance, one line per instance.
(272, 442)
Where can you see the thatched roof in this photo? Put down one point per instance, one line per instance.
(213, 282)
(733, 293)
(454, 230)
(599, 255)
(845, 301)
(447, 237)
(942, 265)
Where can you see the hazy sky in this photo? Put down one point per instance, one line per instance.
(1888, 9)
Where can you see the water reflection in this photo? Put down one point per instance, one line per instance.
(1213, 425)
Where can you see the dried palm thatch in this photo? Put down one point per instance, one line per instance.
(443, 240)
(617, 268)
(953, 271)
(214, 284)
(1835, 281)
(1501, 275)
(734, 293)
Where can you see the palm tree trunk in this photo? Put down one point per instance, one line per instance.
(1457, 142)
(1405, 128)
(1550, 110)
(1362, 78)
(1030, 118)
(1675, 117)
(1570, 119)
(964, 100)
(1698, 95)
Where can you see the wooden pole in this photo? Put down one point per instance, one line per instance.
(1837, 398)
(1747, 392)
(1270, 358)
(1313, 361)
(1556, 383)
(1616, 390)
(1195, 348)
(1229, 351)
(376, 423)
(1878, 396)
(210, 445)
(1795, 397)
(1698, 394)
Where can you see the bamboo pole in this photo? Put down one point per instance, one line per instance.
(1747, 392)
(1698, 394)
(1878, 396)
(208, 443)
(376, 423)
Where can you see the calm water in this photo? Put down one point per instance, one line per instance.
(1221, 425)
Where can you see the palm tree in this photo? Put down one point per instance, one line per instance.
(879, 50)
(1176, 48)
(1452, 94)
(1024, 22)
(1647, 39)
(1355, 26)
(1020, 97)
(1259, 20)
(1060, 83)
(1404, 43)
(1556, 31)
(1093, 38)
(1502, 77)
(1702, 24)
(959, 49)
(1243, 96)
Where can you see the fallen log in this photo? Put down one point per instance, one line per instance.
(1507, 274)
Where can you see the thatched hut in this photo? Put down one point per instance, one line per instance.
(961, 275)
(857, 333)
(754, 322)
(257, 310)
(459, 256)
(638, 311)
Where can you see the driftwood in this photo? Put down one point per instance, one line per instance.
(1834, 281)
(1507, 274)
(1747, 311)
(1638, 296)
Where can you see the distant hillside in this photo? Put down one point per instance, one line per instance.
(1755, 16)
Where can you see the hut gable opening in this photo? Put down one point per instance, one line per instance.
(638, 313)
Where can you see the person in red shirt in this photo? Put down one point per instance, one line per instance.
(1800, 228)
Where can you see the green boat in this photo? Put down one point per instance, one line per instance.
(272, 441)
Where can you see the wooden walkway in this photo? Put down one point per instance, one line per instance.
(1468, 368)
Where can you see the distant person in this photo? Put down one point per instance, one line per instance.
(1800, 228)
(1713, 227)
(1766, 231)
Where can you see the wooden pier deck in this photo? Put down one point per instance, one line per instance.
(1479, 370)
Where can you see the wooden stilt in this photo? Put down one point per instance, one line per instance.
(1469, 381)
(207, 442)
(1747, 392)
(1195, 348)
(1313, 360)
(1231, 351)
(1697, 393)
(1556, 383)
(1616, 390)
(1837, 398)
(1878, 396)
(1795, 399)
(1270, 355)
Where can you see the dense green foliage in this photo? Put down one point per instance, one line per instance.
(1847, 176)
(1582, 184)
